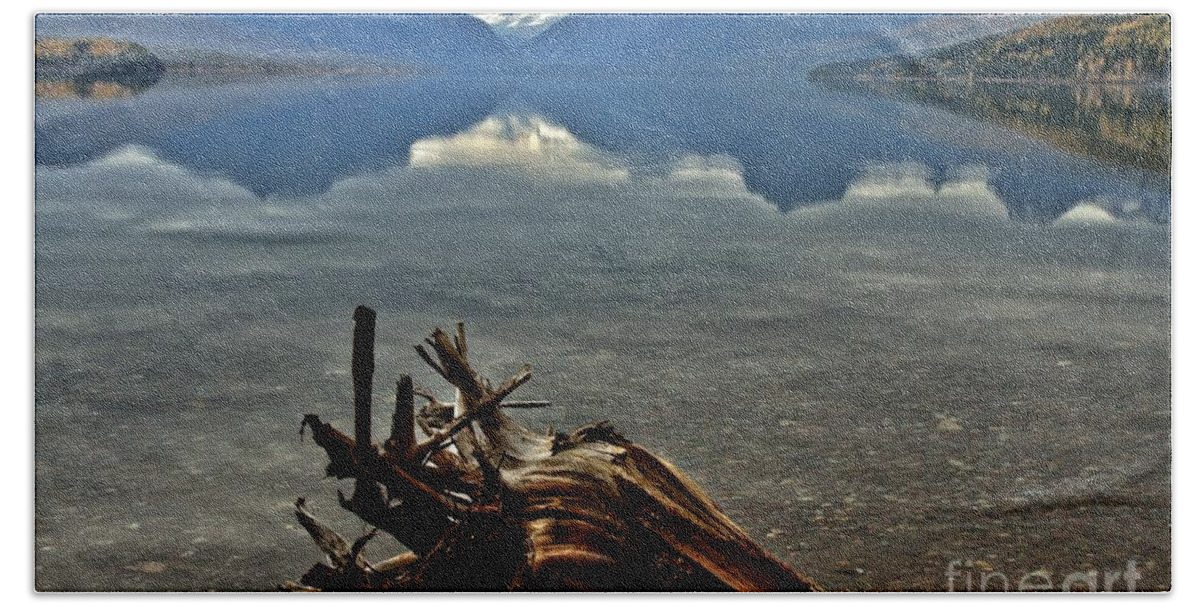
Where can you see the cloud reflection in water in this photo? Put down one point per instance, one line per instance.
(515, 159)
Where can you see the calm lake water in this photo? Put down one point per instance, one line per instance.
(884, 333)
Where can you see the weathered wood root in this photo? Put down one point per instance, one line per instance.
(485, 504)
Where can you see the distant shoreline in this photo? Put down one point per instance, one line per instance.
(268, 69)
(113, 68)
(998, 80)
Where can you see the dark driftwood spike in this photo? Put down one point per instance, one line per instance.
(514, 510)
(403, 436)
(362, 367)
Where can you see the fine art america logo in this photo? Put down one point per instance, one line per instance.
(967, 575)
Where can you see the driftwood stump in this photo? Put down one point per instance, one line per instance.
(483, 503)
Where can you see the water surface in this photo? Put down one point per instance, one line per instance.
(822, 305)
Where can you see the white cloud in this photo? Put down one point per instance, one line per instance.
(514, 153)
(519, 20)
(526, 144)
(134, 186)
(715, 175)
(130, 156)
(508, 160)
(969, 191)
(502, 158)
(128, 182)
(891, 182)
(908, 188)
(1086, 213)
(719, 171)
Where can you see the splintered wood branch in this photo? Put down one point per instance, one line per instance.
(494, 398)
(334, 546)
(427, 395)
(510, 509)
(428, 509)
(437, 367)
(440, 438)
(343, 464)
(525, 405)
(460, 338)
(454, 367)
(360, 544)
(348, 569)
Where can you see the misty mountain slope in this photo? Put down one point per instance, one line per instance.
(712, 38)
(937, 31)
(656, 39)
(643, 40)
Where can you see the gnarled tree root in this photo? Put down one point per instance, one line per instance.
(485, 504)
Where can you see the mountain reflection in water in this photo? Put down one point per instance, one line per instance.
(91, 88)
(794, 144)
(1124, 123)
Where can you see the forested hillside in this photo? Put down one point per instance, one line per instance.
(1075, 47)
